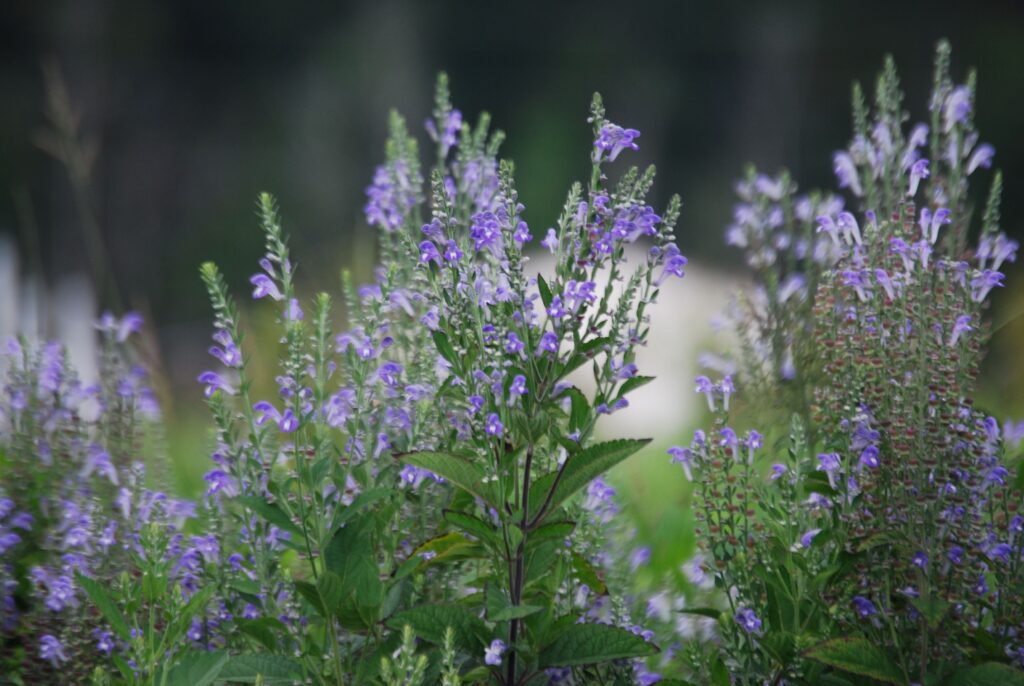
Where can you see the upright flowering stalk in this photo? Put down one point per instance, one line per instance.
(454, 361)
(889, 530)
(519, 445)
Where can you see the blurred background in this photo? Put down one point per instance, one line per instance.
(189, 108)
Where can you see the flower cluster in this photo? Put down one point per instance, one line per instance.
(891, 525)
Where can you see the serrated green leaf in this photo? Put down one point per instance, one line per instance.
(471, 525)
(585, 466)
(271, 512)
(270, 669)
(106, 605)
(633, 383)
(857, 656)
(264, 629)
(987, 674)
(586, 573)
(444, 347)
(461, 472)
(360, 502)
(932, 608)
(584, 644)
(429, 623)
(197, 669)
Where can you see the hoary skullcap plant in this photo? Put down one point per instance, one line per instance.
(424, 498)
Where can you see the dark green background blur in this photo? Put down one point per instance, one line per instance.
(199, 105)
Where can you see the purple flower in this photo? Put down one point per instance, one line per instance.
(755, 441)
(869, 457)
(550, 241)
(429, 253)
(999, 552)
(956, 108)
(847, 223)
(493, 653)
(704, 385)
(452, 253)
(830, 464)
(494, 427)
(673, 267)
(941, 216)
(548, 343)
(727, 389)
(613, 139)
(639, 558)
(293, 312)
(748, 621)
(863, 607)
(906, 253)
(518, 387)
(215, 382)
(962, 326)
(827, 225)
(846, 172)
(956, 555)
(808, 537)
(981, 157)
(51, 650)
(918, 171)
(882, 277)
(447, 137)
(778, 471)
(684, 457)
(983, 283)
(264, 286)
(920, 559)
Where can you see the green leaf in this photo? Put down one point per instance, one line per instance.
(272, 669)
(702, 611)
(552, 531)
(444, 347)
(265, 630)
(586, 465)
(545, 291)
(588, 575)
(857, 656)
(331, 589)
(987, 674)
(429, 622)
(500, 608)
(633, 383)
(932, 608)
(197, 669)
(363, 500)
(447, 547)
(309, 591)
(579, 414)
(460, 471)
(106, 605)
(584, 644)
(270, 512)
(471, 525)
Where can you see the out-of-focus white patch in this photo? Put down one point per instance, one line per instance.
(681, 330)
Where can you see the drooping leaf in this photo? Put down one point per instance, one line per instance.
(271, 512)
(472, 525)
(429, 623)
(500, 607)
(105, 604)
(197, 669)
(857, 656)
(987, 674)
(584, 644)
(588, 575)
(448, 547)
(270, 669)
(444, 347)
(264, 629)
(587, 465)
(457, 470)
